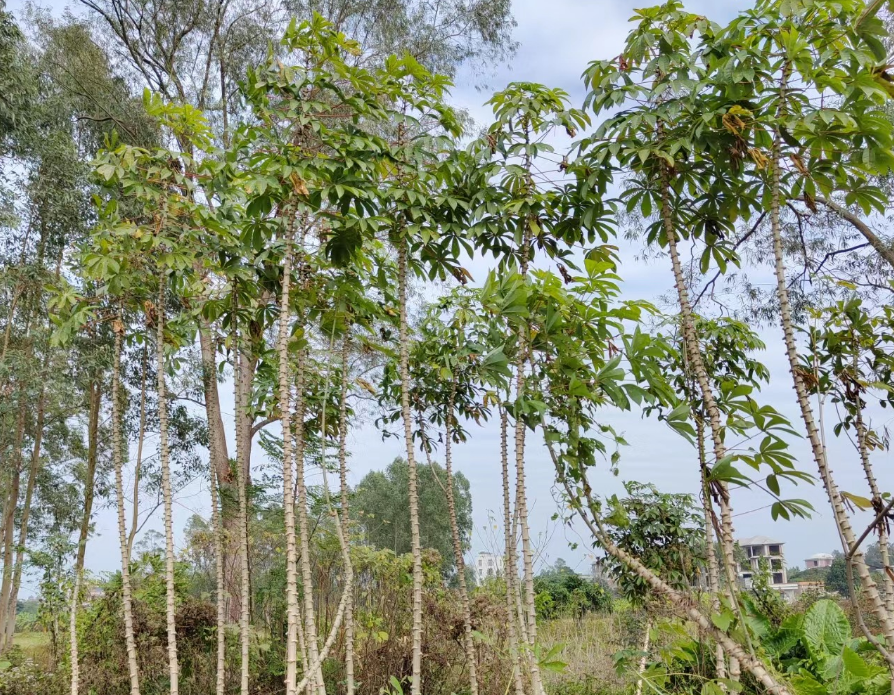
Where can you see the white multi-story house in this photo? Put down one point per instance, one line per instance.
(761, 548)
(487, 566)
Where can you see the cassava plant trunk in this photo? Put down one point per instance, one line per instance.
(242, 521)
(118, 462)
(643, 660)
(416, 545)
(521, 507)
(292, 612)
(468, 641)
(681, 602)
(510, 569)
(846, 532)
(694, 355)
(350, 685)
(310, 622)
(164, 456)
(710, 556)
(877, 502)
(94, 404)
(340, 526)
(141, 437)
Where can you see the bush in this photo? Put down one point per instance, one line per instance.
(566, 594)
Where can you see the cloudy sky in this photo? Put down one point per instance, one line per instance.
(557, 39)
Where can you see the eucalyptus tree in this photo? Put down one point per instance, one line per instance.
(812, 65)
(155, 249)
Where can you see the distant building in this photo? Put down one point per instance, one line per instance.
(818, 560)
(487, 566)
(758, 548)
(599, 573)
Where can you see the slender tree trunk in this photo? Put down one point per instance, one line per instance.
(416, 544)
(9, 516)
(242, 521)
(209, 374)
(118, 461)
(303, 529)
(819, 455)
(343, 489)
(877, 502)
(164, 456)
(644, 658)
(457, 547)
(510, 570)
(141, 438)
(694, 355)
(710, 556)
(292, 612)
(33, 470)
(94, 401)
(220, 682)
(213, 413)
(521, 507)
(340, 526)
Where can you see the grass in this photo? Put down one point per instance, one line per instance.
(589, 646)
(31, 642)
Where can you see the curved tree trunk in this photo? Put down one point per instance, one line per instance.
(683, 603)
(118, 461)
(416, 546)
(164, 455)
(510, 566)
(819, 454)
(457, 548)
(343, 490)
(877, 502)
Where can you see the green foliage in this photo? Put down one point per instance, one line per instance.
(380, 507)
(662, 530)
(563, 593)
(836, 578)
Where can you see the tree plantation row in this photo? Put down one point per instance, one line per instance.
(285, 222)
